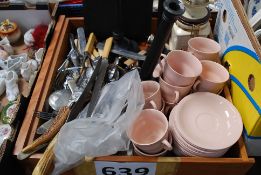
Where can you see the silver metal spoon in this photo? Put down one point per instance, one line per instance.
(59, 99)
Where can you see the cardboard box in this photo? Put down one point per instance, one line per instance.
(241, 54)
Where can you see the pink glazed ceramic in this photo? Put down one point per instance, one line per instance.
(181, 68)
(212, 79)
(152, 95)
(207, 121)
(173, 94)
(159, 68)
(181, 143)
(138, 152)
(149, 132)
(204, 48)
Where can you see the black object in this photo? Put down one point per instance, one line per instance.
(160, 9)
(70, 10)
(172, 10)
(132, 18)
(125, 42)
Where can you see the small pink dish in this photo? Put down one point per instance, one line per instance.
(139, 152)
(192, 150)
(207, 121)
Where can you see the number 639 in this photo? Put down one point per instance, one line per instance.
(125, 171)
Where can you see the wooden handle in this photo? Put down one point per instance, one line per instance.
(95, 53)
(107, 47)
(89, 48)
(90, 43)
(44, 164)
(130, 62)
(52, 131)
(227, 93)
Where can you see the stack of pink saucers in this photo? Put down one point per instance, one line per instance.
(204, 124)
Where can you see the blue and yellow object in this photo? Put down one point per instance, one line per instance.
(245, 75)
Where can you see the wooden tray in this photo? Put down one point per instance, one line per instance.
(235, 162)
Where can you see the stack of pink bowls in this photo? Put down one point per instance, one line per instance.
(204, 124)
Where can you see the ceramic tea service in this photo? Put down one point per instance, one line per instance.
(201, 122)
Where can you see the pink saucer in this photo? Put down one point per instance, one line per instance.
(189, 150)
(208, 121)
(162, 153)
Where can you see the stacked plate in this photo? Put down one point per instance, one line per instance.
(204, 124)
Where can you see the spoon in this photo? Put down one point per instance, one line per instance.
(59, 99)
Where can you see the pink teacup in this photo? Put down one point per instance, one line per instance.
(181, 68)
(173, 94)
(152, 95)
(204, 48)
(212, 78)
(149, 132)
(139, 152)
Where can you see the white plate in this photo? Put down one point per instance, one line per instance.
(208, 121)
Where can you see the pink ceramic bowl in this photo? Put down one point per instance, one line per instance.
(204, 48)
(181, 68)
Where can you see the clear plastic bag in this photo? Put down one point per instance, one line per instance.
(104, 133)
